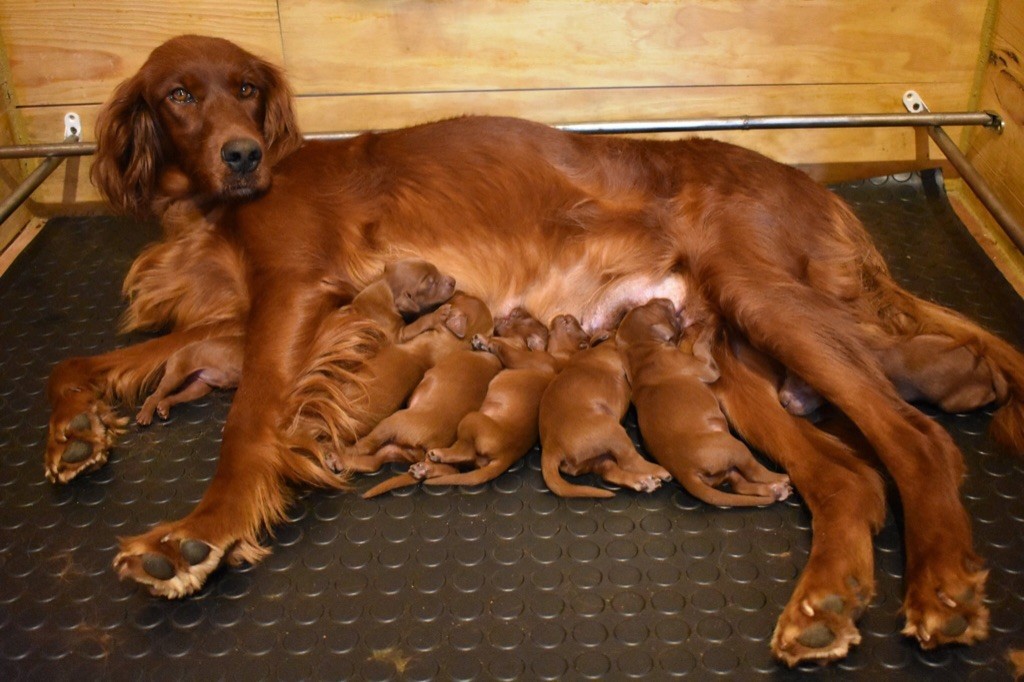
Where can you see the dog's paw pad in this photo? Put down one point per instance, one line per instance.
(158, 566)
(80, 422)
(817, 636)
(194, 551)
(76, 452)
(419, 470)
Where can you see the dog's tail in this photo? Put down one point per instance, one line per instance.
(403, 480)
(487, 472)
(1005, 362)
(553, 478)
(691, 481)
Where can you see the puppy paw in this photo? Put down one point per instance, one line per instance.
(781, 490)
(947, 609)
(818, 624)
(168, 563)
(80, 439)
(480, 342)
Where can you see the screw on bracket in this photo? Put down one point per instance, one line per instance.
(72, 127)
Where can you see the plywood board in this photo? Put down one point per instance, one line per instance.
(355, 46)
(64, 52)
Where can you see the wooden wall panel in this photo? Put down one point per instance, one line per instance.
(401, 45)
(1000, 158)
(64, 52)
(359, 64)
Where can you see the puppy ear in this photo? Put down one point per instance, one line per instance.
(406, 304)
(457, 323)
(703, 351)
(280, 127)
(600, 336)
(663, 332)
(128, 150)
(535, 341)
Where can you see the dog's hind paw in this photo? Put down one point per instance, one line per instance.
(167, 564)
(953, 613)
(80, 439)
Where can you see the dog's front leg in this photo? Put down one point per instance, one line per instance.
(249, 490)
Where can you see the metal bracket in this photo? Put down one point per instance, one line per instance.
(72, 127)
(913, 102)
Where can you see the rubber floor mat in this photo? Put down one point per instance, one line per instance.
(501, 581)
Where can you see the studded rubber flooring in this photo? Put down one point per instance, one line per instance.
(502, 581)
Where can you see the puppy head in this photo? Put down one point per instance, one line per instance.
(566, 336)
(520, 324)
(469, 316)
(654, 321)
(417, 285)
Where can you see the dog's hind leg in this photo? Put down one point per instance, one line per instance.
(847, 505)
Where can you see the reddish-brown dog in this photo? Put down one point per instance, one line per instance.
(204, 138)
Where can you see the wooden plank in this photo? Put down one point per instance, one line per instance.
(1000, 158)
(992, 239)
(63, 52)
(10, 170)
(353, 46)
(360, 112)
(19, 243)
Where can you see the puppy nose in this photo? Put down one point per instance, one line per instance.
(242, 154)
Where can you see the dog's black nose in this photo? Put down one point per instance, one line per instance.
(241, 155)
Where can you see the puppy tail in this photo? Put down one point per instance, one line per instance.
(393, 483)
(488, 472)
(1005, 363)
(561, 487)
(693, 484)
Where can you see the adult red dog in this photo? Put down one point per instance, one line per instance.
(256, 222)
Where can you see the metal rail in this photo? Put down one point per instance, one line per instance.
(682, 125)
(919, 117)
(32, 181)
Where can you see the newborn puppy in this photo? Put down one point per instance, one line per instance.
(680, 419)
(504, 429)
(406, 287)
(928, 367)
(581, 427)
(452, 388)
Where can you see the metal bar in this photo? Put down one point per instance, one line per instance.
(30, 183)
(975, 118)
(973, 178)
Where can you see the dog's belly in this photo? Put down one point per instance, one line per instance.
(597, 305)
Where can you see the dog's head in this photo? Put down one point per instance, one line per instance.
(417, 285)
(655, 321)
(202, 118)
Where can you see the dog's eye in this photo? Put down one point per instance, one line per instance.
(247, 90)
(181, 96)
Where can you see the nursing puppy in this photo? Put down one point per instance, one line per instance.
(504, 429)
(581, 427)
(454, 386)
(680, 420)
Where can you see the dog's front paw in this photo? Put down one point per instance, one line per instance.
(168, 562)
(82, 431)
(818, 623)
(946, 609)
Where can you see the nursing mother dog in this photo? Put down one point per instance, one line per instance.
(255, 221)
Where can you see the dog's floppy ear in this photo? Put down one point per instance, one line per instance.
(536, 341)
(280, 127)
(128, 150)
(457, 323)
(663, 332)
(703, 351)
(406, 304)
